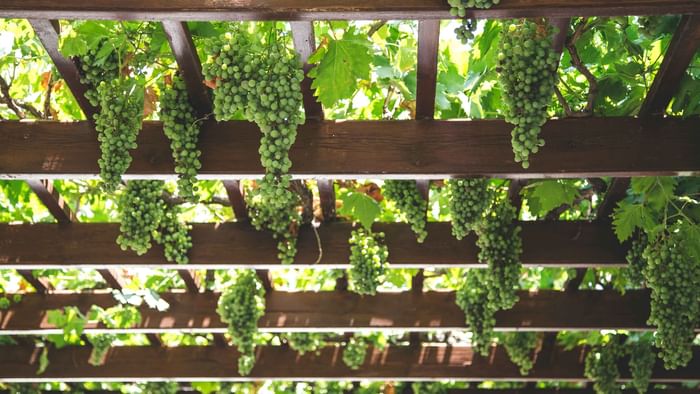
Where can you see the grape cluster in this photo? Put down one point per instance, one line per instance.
(355, 352)
(465, 31)
(160, 387)
(635, 259)
(674, 279)
(500, 247)
(411, 203)
(642, 360)
(93, 74)
(305, 342)
(526, 67)
(146, 217)
(241, 305)
(520, 346)
(601, 367)
(261, 81)
(473, 299)
(181, 126)
(100, 346)
(368, 261)
(468, 199)
(459, 7)
(141, 209)
(428, 388)
(118, 123)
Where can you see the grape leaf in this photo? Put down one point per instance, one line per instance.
(339, 65)
(628, 217)
(550, 194)
(360, 207)
(657, 191)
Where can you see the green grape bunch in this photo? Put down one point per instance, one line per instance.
(355, 352)
(459, 7)
(118, 123)
(601, 367)
(526, 67)
(305, 342)
(411, 203)
(182, 127)
(472, 297)
(174, 236)
(141, 209)
(275, 209)
(468, 200)
(368, 261)
(635, 259)
(520, 347)
(674, 279)
(240, 306)
(642, 360)
(100, 346)
(92, 74)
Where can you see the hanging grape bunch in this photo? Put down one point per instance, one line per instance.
(368, 261)
(468, 199)
(355, 352)
(526, 68)
(601, 367)
(465, 31)
(410, 202)
(181, 126)
(473, 299)
(174, 236)
(261, 80)
(92, 74)
(635, 259)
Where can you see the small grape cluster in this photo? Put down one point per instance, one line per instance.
(368, 261)
(520, 347)
(261, 81)
(642, 360)
(305, 342)
(473, 298)
(468, 200)
(100, 346)
(118, 123)
(240, 306)
(409, 201)
(355, 352)
(181, 126)
(465, 31)
(428, 388)
(146, 217)
(459, 7)
(526, 68)
(160, 387)
(601, 367)
(674, 280)
(93, 74)
(635, 259)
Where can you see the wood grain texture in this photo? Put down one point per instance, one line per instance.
(184, 10)
(342, 311)
(410, 149)
(238, 245)
(213, 363)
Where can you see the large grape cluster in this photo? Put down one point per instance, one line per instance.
(118, 123)
(601, 367)
(174, 236)
(261, 81)
(368, 261)
(181, 126)
(473, 299)
(468, 199)
(409, 201)
(635, 259)
(674, 279)
(100, 346)
(520, 347)
(500, 248)
(526, 67)
(642, 360)
(141, 209)
(92, 74)
(355, 352)
(240, 306)
(305, 342)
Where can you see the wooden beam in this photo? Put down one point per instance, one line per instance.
(39, 285)
(342, 311)
(329, 9)
(680, 52)
(410, 149)
(228, 245)
(326, 193)
(213, 363)
(48, 32)
(235, 196)
(428, 43)
(305, 45)
(188, 61)
(53, 201)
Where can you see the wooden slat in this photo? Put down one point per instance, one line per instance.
(305, 45)
(410, 149)
(48, 31)
(187, 60)
(428, 42)
(329, 9)
(36, 283)
(237, 245)
(53, 201)
(680, 52)
(326, 193)
(562, 25)
(342, 311)
(235, 196)
(188, 277)
(212, 363)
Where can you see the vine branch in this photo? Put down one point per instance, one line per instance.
(570, 44)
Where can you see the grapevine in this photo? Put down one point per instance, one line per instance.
(262, 81)
(526, 67)
(305, 342)
(520, 346)
(355, 352)
(674, 279)
(181, 126)
(240, 306)
(473, 299)
(409, 201)
(601, 367)
(368, 261)
(118, 123)
(468, 199)
(642, 359)
(100, 346)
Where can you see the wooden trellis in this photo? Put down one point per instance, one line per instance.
(423, 149)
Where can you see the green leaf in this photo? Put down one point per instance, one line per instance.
(360, 207)
(73, 46)
(657, 191)
(43, 361)
(551, 194)
(344, 62)
(628, 217)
